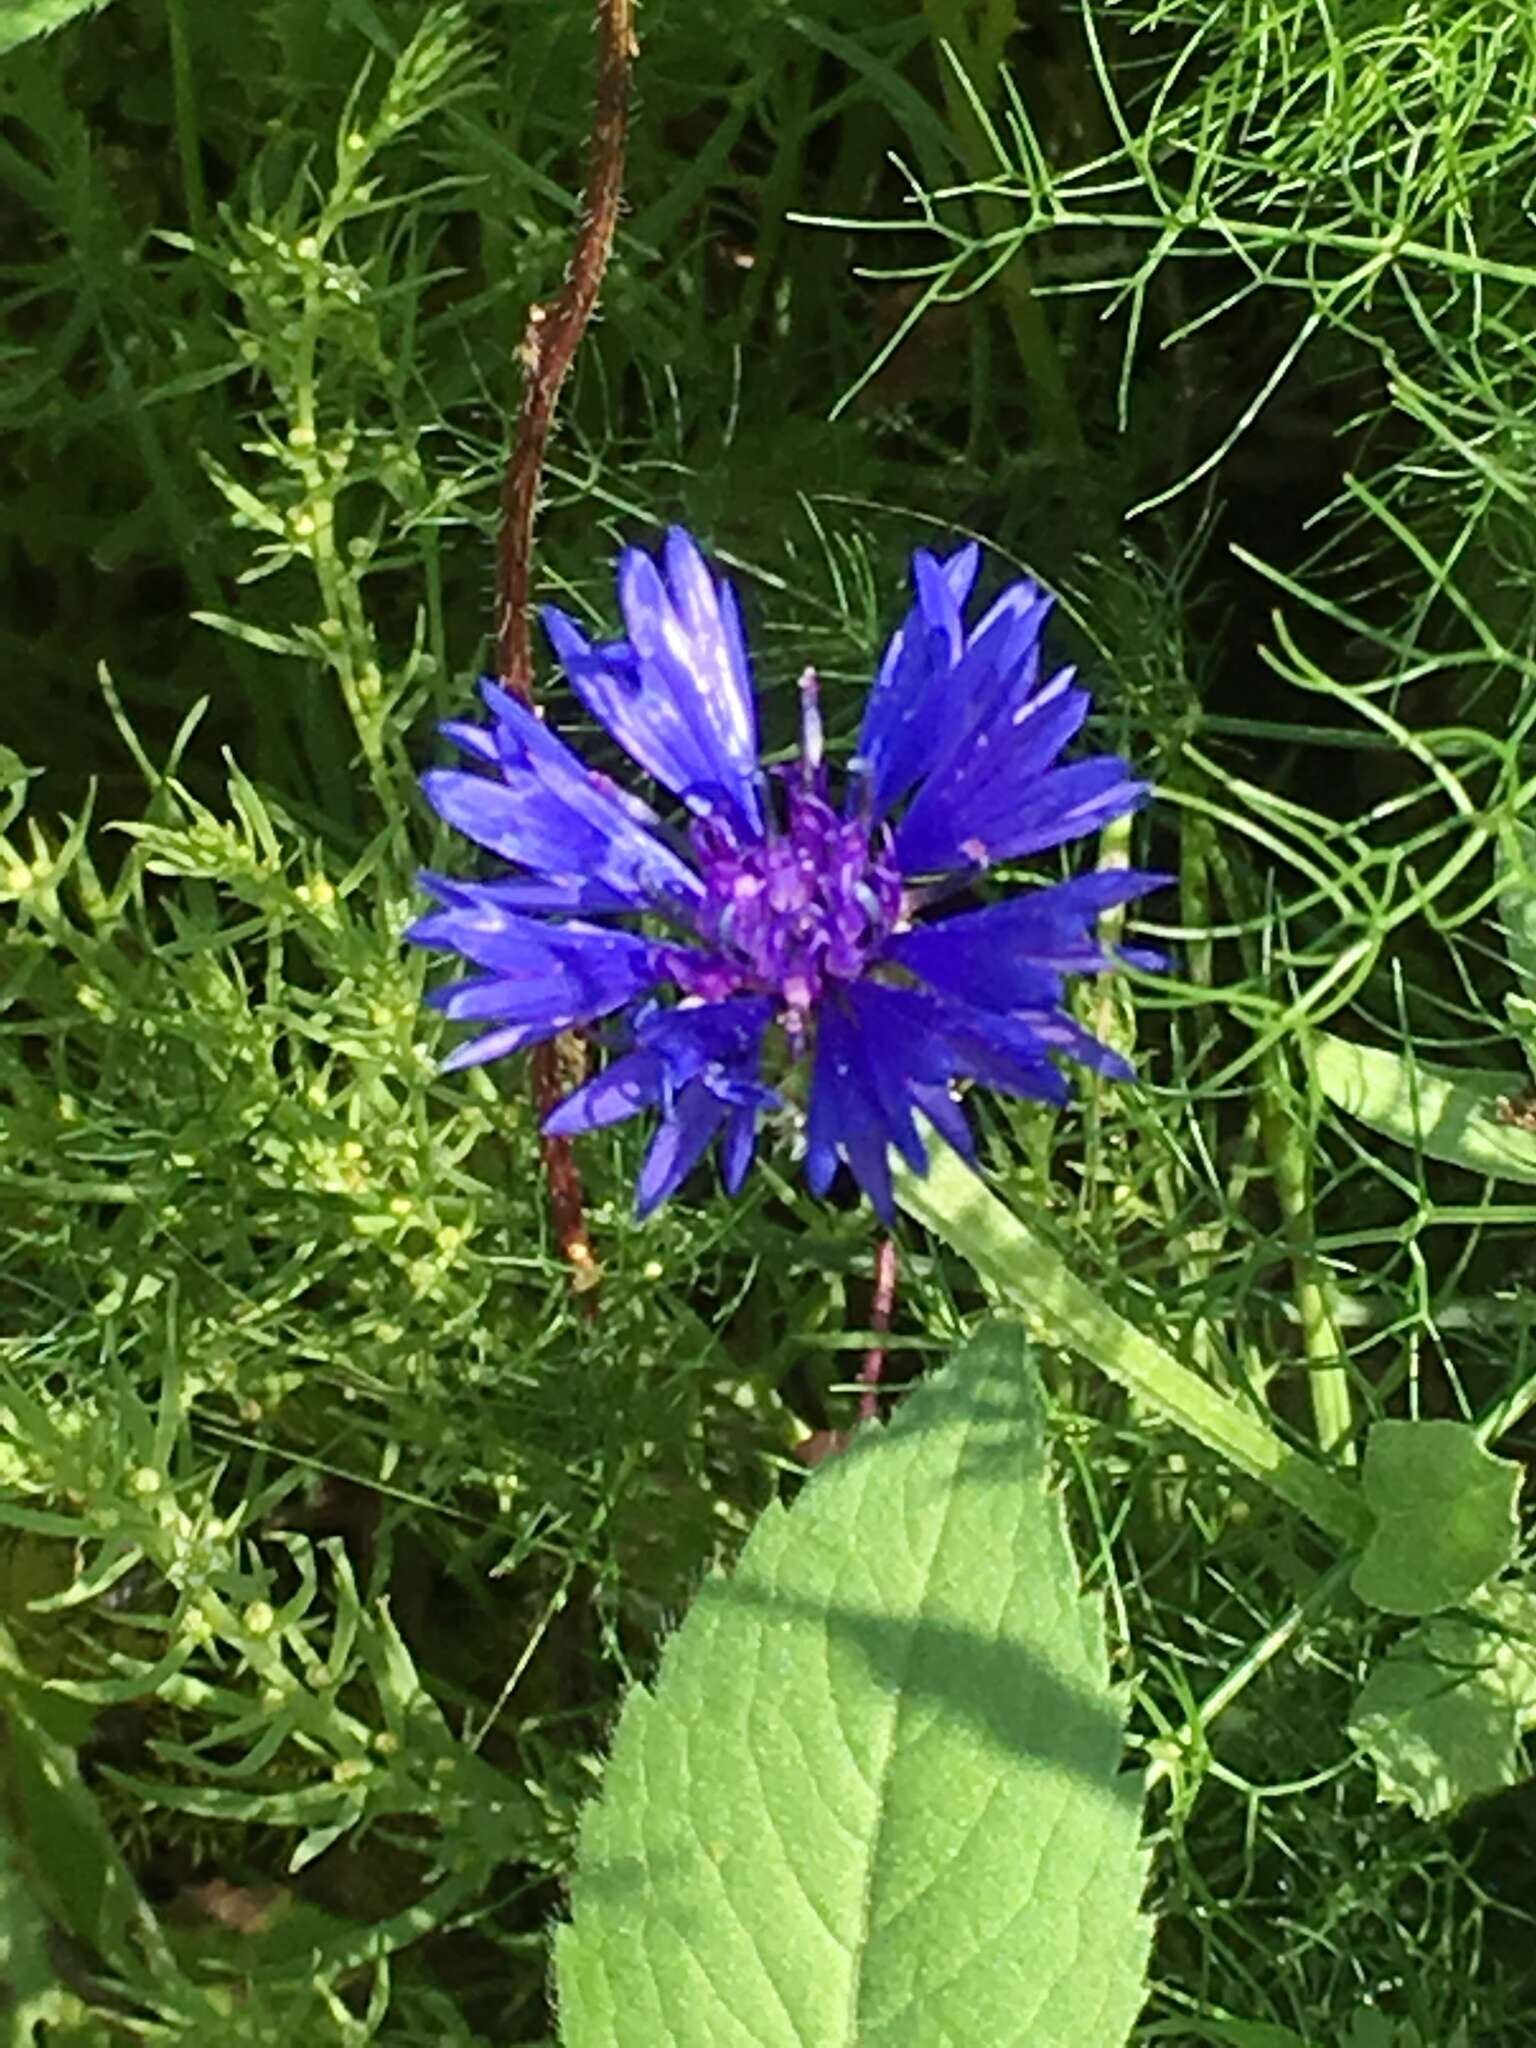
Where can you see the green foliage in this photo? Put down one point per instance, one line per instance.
(28, 1975)
(875, 1795)
(1444, 1516)
(1451, 1113)
(1442, 1714)
(25, 19)
(1035, 1282)
(334, 1532)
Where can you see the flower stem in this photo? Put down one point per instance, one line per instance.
(550, 342)
(1060, 1309)
(883, 1302)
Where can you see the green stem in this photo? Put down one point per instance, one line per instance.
(1060, 1309)
(188, 145)
(1169, 1751)
(1050, 396)
(1289, 1150)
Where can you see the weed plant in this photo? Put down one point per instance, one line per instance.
(332, 1526)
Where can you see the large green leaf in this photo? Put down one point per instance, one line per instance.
(21, 20)
(1442, 1714)
(1444, 1516)
(876, 1796)
(1450, 1113)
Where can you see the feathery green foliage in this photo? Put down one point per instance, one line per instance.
(332, 1531)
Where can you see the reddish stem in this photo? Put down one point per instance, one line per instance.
(550, 342)
(887, 1271)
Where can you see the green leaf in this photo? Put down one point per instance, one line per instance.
(1517, 900)
(24, 19)
(876, 1796)
(1520, 1014)
(76, 1868)
(1374, 2030)
(1449, 1113)
(28, 1977)
(1444, 1511)
(1031, 1277)
(1441, 1715)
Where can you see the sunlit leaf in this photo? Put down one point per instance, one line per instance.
(1441, 1715)
(1447, 1113)
(21, 20)
(1444, 1516)
(1517, 900)
(876, 1796)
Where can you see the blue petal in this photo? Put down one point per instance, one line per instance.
(1058, 806)
(1005, 747)
(624, 1088)
(492, 995)
(998, 672)
(680, 1142)
(1057, 1031)
(823, 1121)
(945, 1114)
(913, 675)
(475, 740)
(492, 1045)
(737, 1146)
(684, 1059)
(677, 694)
(1013, 954)
(548, 812)
(884, 1073)
(542, 979)
(695, 1038)
(974, 967)
(942, 1040)
(612, 964)
(578, 893)
(846, 1113)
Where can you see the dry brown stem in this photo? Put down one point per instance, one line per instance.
(549, 346)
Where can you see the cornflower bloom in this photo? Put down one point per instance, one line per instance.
(779, 912)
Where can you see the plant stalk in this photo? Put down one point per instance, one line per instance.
(550, 341)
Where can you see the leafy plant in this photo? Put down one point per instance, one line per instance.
(875, 1795)
(28, 18)
(335, 1533)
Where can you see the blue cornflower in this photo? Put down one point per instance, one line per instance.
(778, 911)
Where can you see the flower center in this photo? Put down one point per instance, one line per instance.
(784, 915)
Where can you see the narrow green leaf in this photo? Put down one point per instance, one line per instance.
(1517, 900)
(1520, 1015)
(876, 1796)
(261, 637)
(1449, 1113)
(74, 1860)
(28, 1976)
(23, 19)
(1035, 1282)
(1441, 1715)
(1445, 1520)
